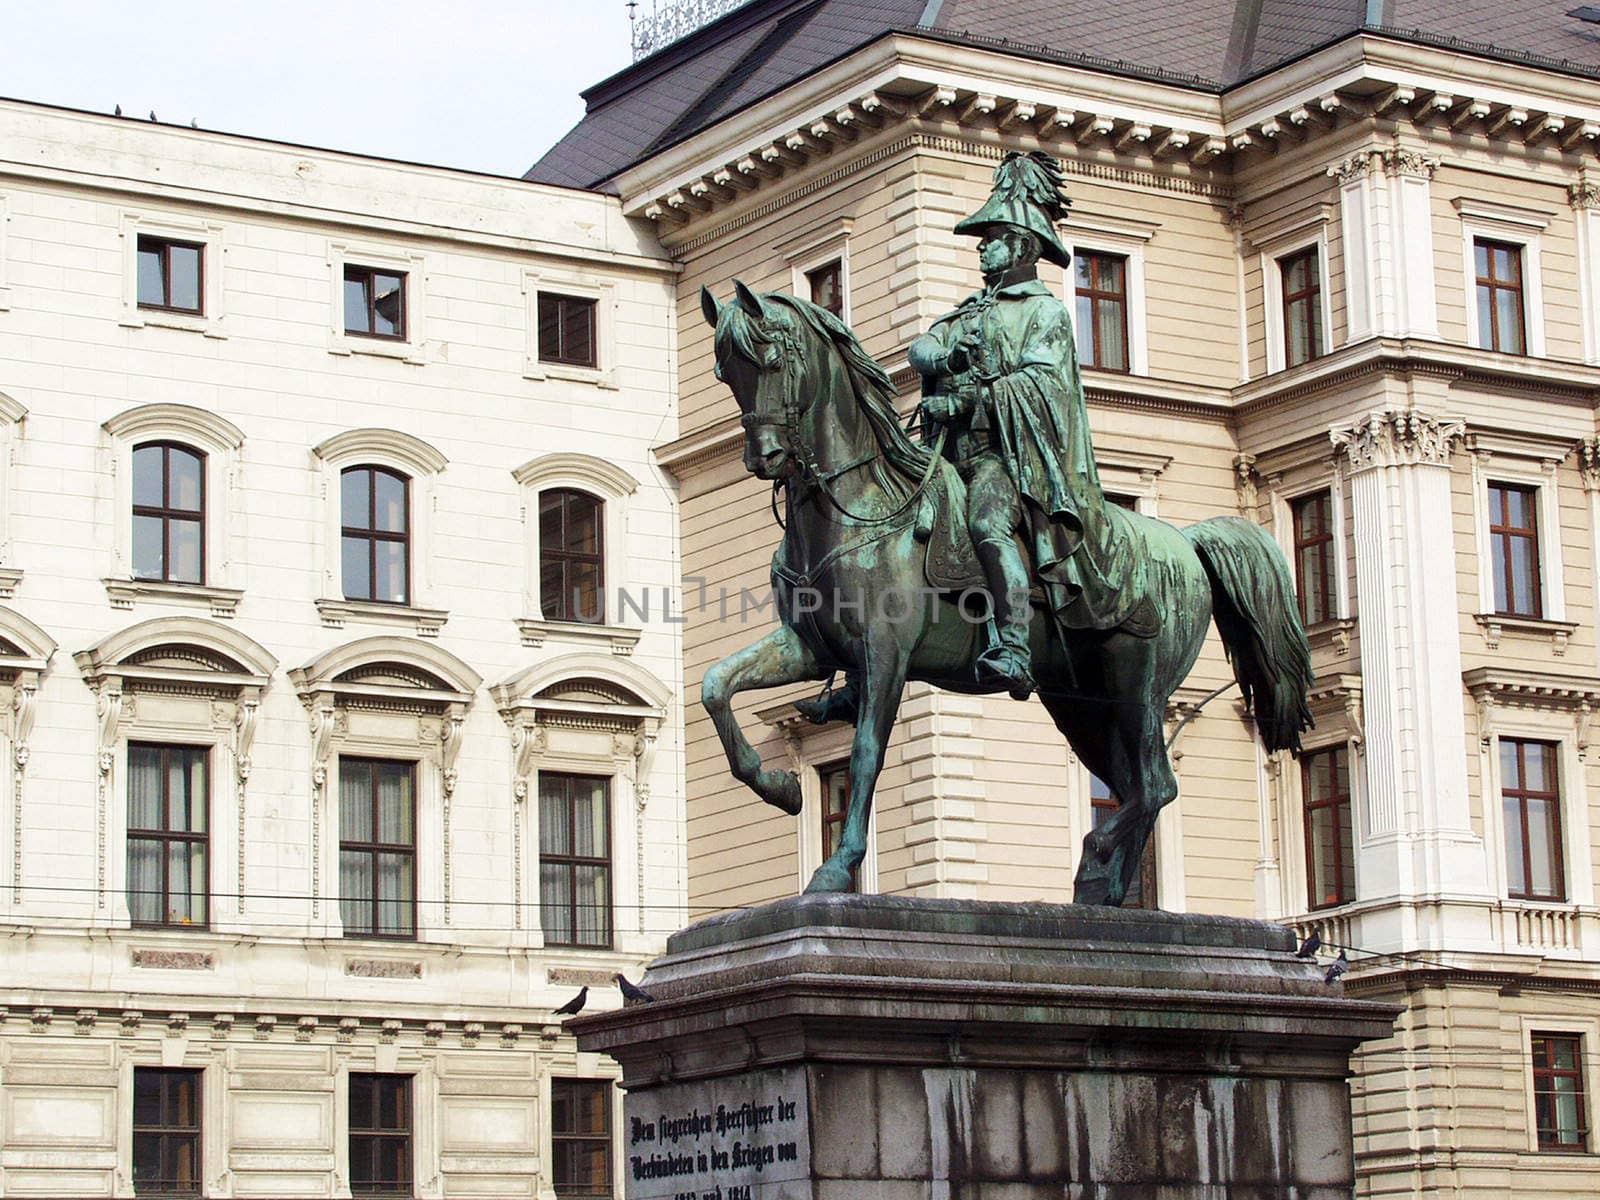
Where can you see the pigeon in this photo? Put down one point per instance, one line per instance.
(1337, 968)
(1310, 946)
(632, 993)
(194, 123)
(152, 114)
(574, 1006)
(117, 112)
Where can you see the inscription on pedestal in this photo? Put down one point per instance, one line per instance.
(744, 1137)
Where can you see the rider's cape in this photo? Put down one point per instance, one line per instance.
(1035, 412)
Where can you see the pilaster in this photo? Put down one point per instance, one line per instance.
(1385, 204)
(1414, 837)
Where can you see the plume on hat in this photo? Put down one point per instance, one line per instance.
(1035, 177)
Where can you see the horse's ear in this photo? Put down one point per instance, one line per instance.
(710, 307)
(748, 300)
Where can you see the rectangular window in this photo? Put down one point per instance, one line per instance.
(835, 779)
(380, 1135)
(1102, 317)
(1313, 556)
(575, 860)
(170, 274)
(168, 799)
(1329, 829)
(375, 534)
(572, 557)
(827, 287)
(1531, 803)
(1499, 296)
(166, 1132)
(377, 848)
(169, 513)
(1514, 549)
(1103, 802)
(580, 1138)
(1302, 306)
(375, 303)
(1558, 1104)
(566, 330)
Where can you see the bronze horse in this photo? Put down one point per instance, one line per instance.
(860, 503)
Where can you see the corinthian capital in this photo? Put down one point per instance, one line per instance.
(1401, 161)
(1391, 437)
(1357, 166)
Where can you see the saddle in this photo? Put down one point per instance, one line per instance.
(951, 563)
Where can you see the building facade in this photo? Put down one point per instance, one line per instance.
(332, 767)
(1335, 270)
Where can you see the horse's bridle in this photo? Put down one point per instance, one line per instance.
(812, 476)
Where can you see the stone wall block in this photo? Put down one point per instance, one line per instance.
(903, 1145)
(1313, 1106)
(844, 1143)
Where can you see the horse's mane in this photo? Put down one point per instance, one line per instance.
(875, 392)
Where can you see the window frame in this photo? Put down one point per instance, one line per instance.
(166, 836)
(1518, 460)
(591, 307)
(579, 285)
(1096, 296)
(1577, 1074)
(1494, 221)
(559, 1136)
(566, 557)
(166, 1132)
(166, 243)
(1315, 311)
(1327, 547)
(166, 514)
(1495, 285)
(815, 248)
(209, 319)
(1334, 803)
(1277, 246)
(370, 295)
(1501, 538)
(403, 1187)
(835, 266)
(374, 849)
(1096, 234)
(572, 862)
(1557, 801)
(412, 347)
(831, 824)
(373, 535)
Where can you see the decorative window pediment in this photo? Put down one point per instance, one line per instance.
(388, 669)
(177, 654)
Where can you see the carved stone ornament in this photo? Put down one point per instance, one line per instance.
(1589, 463)
(1357, 166)
(1584, 194)
(1398, 437)
(1245, 482)
(1401, 161)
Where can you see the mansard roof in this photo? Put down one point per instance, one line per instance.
(764, 46)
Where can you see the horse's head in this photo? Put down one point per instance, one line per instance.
(759, 357)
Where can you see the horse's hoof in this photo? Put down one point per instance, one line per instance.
(830, 878)
(781, 789)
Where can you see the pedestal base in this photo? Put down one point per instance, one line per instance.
(877, 1048)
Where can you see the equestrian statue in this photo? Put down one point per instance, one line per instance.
(985, 558)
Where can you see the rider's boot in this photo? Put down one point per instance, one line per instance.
(1010, 661)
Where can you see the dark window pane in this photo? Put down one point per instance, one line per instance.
(184, 277)
(388, 304)
(574, 859)
(167, 854)
(580, 1130)
(567, 329)
(827, 287)
(152, 276)
(1102, 310)
(377, 847)
(1329, 828)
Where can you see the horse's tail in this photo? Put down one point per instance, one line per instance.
(1253, 601)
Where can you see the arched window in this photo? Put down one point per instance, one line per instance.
(169, 513)
(375, 544)
(571, 556)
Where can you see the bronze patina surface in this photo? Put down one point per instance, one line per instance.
(1098, 610)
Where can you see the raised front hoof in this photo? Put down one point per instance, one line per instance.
(781, 789)
(830, 878)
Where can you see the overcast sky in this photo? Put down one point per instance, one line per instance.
(487, 85)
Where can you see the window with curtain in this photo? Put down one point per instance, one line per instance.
(1499, 296)
(571, 557)
(166, 1132)
(1102, 803)
(580, 1138)
(575, 860)
(826, 284)
(377, 848)
(835, 779)
(567, 330)
(1329, 831)
(380, 1135)
(1560, 1116)
(1101, 284)
(1514, 549)
(168, 835)
(1301, 277)
(1531, 804)
(169, 513)
(1313, 556)
(375, 535)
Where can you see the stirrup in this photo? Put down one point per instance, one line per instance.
(1002, 664)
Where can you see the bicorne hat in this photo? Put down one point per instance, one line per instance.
(1027, 194)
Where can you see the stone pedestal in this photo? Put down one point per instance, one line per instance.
(877, 1048)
